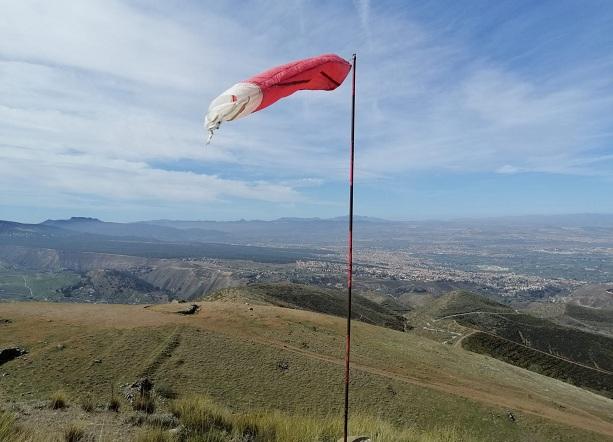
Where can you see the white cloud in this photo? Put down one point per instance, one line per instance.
(95, 97)
(112, 37)
(121, 180)
(491, 117)
(508, 169)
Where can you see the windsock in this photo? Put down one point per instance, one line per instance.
(325, 72)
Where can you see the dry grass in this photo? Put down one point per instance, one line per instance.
(58, 400)
(232, 354)
(144, 402)
(88, 404)
(74, 433)
(154, 435)
(11, 432)
(165, 390)
(114, 404)
(203, 419)
(8, 429)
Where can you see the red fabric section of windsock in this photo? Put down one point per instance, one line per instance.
(325, 72)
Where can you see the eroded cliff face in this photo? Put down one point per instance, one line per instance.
(56, 260)
(31, 259)
(189, 280)
(174, 277)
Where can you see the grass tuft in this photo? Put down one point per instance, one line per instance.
(200, 415)
(154, 435)
(144, 402)
(8, 429)
(58, 400)
(74, 433)
(87, 404)
(204, 420)
(114, 404)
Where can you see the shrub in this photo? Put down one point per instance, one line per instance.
(58, 400)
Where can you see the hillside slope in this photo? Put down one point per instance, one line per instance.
(314, 299)
(266, 357)
(592, 319)
(594, 295)
(576, 356)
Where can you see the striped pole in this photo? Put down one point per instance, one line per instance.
(349, 255)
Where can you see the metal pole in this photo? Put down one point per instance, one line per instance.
(349, 255)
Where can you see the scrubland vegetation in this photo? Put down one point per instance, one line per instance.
(198, 418)
(258, 372)
(204, 420)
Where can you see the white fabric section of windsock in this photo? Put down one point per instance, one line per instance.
(237, 102)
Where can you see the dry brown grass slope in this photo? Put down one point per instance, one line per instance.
(290, 360)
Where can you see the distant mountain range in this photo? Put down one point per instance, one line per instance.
(286, 231)
(83, 235)
(138, 229)
(312, 231)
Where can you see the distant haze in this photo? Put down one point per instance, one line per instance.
(569, 219)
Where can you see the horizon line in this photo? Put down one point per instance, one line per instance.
(333, 218)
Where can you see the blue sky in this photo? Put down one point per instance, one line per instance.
(464, 109)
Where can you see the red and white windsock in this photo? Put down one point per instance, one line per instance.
(325, 72)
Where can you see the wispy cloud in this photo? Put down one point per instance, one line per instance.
(125, 180)
(99, 99)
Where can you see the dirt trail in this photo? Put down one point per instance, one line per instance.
(163, 352)
(577, 417)
(580, 419)
(458, 343)
(234, 320)
(474, 313)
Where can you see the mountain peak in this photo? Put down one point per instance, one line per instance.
(73, 219)
(84, 218)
